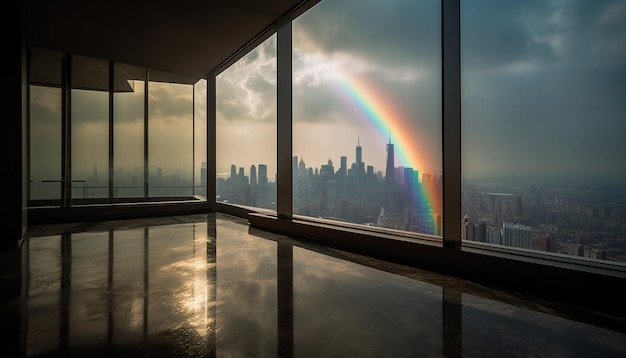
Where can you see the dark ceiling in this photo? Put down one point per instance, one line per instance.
(185, 37)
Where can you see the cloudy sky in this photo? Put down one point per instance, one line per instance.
(381, 45)
(543, 92)
(543, 86)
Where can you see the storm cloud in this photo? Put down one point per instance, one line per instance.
(543, 88)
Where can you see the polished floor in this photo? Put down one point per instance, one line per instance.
(210, 286)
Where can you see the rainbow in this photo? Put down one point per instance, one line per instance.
(378, 111)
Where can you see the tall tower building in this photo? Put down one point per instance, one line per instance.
(343, 169)
(359, 154)
(262, 176)
(294, 168)
(390, 172)
(253, 179)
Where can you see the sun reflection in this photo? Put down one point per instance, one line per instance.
(195, 300)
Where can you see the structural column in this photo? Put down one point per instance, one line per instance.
(451, 99)
(284, 177)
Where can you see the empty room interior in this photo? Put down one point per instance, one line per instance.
(315, 178)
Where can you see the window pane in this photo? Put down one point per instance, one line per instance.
(246, 129)
(45, 129)
(128, 131)
(367, 113)
(543, 123)
(90, 128)
(200, 140)
(45, 142)
(170, 146)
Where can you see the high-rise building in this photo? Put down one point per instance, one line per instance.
(517, 235)
(343, 169)
(262, 177)
(242, 176)
(390, 173)
(253, 178)
(359, 154)
(294, 167)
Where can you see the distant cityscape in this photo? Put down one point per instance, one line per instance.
(578, 219)
(564, 216)
(355, 193)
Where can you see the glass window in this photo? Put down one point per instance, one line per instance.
(45, 143)
(200, 137)
(367, 113)
(543, 123)
(170, 133)
(45, 129)
(246, 129)
(128, 130)
(90, 128)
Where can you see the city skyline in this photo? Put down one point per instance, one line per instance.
(401, 199)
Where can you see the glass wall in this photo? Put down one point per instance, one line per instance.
(46, 119)
(128, 130)
(107, 152)
(45, 143)
(90, 128)
(543, 126)
(367, 114)
(246, 129)
(170, 139)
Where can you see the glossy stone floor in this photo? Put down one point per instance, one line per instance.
(210, 286)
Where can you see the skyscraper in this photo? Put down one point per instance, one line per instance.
(390, 173)
(253, 179)
(359, 154)
(262, 177)
(343, 169)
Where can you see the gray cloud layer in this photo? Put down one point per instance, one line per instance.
(544, 85)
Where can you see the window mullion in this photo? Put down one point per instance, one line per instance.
(451, 109)
(284, 177)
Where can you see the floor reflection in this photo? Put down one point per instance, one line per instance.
(208, 285)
